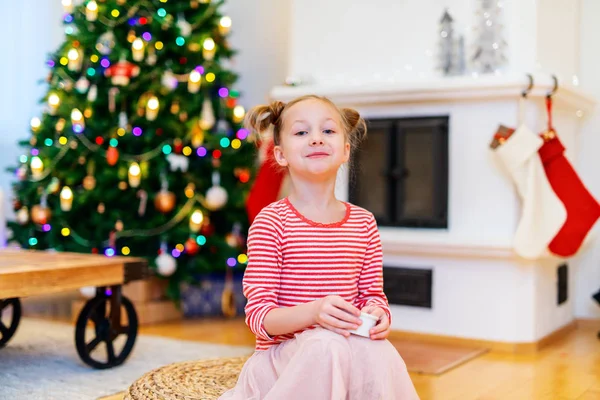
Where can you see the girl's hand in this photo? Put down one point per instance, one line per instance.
(337, 315)
(382, 329)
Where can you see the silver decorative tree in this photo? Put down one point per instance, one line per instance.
(488, 56)
(451, 50)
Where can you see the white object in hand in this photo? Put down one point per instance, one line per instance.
(368, 321)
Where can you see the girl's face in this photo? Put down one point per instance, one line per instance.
(312, 142)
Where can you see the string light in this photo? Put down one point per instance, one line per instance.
(37, 167)
(125, 251)
(158, 45)
(91, 11)
(208, 49)
(134, 174)
(210, 77)
(224, 25)
(201, 240)
(35, 124)
(65, 231)
(242, 259)
(196, 221)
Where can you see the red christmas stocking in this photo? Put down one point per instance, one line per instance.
(267, 184)
(582, 209)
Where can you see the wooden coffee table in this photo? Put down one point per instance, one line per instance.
(26, 273)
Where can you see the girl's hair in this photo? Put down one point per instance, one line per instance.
(264, 117)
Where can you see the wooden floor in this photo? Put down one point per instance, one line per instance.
(567, 369)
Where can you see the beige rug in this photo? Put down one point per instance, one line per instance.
(40, 363)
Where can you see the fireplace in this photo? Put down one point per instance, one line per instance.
(400, 172)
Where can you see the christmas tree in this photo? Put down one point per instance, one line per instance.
(139, 150)
(489, 54)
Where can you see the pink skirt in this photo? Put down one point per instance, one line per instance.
(322, 365)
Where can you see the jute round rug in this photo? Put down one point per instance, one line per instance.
(40, 362)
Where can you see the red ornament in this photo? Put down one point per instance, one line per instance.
(121, 72)
(191, 247)
(244, 177)
(112, 156)
(182, 60)
(178, 146)
(207, 229)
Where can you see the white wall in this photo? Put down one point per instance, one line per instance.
(259, 33)
(588, 264)
(28, 35)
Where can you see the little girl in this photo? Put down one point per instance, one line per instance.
(314, 263)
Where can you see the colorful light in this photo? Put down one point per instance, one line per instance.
(196, 221)
(161, 12)
(231, 262)
(65, 231)
(201, 240)
(94, 58)
(147, 36)
(175, 253)
(242, 259)
(223, 92)
(224, 25)
(224, 142)
(201, 151)
(48, 142)
(210, 77)
(217, 154)
(46, 228)
(242, 134)
(115, 13)
(33, 241)
(35, 152)
(137, 131)
(105, 63)
(187, 151)
(113, 142)
(37, 167)
(125, 251)
(236, 143)
(180, 41)
(23, 158)
(35, 124)
(109, 252)
(158, 45)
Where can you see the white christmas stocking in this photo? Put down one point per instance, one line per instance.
(542, 212)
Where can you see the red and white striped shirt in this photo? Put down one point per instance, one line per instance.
(292, 260)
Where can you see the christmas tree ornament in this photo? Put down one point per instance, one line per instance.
(143, 196)
(22, 215)
(224, 25)
(75, 57)
(122, 72)
(40, 213)
(66, 198)
(37, 167)
(138, 49)
(207, 116)
(22, 173)
(177, 145)
(89, 182)
(169, 80)
(106, 43)
(197, 135)
(175, 108)
(185, 29)
(216, 197)
(92, 93)
(112, 99)
(151, 59)
(134, 175)
(196, 220)
(123, 122)
(191, 247)
(164, 201)
(194, 81)
(152, 106)
(82, 85)
(165, 263)
(91, 11)
(112, 156)
(208, 49)
(178, 162)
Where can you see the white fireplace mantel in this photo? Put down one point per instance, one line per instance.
(440, 89)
